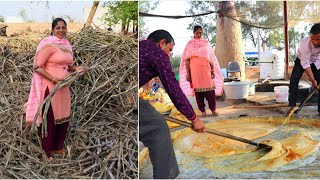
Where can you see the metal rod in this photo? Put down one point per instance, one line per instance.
(271, 62)
(272, 106)
(286, 38)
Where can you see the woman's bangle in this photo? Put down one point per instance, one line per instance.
(195, 120)
(53, 79)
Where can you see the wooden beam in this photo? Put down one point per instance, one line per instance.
(92, 12)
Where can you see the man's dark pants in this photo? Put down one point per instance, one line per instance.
(294, 82)
(155, 134)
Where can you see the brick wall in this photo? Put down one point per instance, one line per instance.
(253, 72)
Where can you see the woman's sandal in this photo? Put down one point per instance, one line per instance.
(58, 152)
(203, 114)
(215, 114)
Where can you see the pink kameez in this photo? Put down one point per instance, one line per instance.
(56, 61)
(54, 55)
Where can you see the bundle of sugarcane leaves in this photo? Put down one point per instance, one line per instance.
(102, 139)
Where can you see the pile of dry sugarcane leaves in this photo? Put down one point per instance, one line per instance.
(102, 139)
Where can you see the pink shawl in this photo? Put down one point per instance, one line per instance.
(200, 48)
(34, 100)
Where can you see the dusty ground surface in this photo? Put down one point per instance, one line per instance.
(226, 109)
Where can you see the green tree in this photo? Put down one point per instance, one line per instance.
(23, 14)
(207, 22)
(270, 14)
(1, 18)
(53, 17)
(145, 6)
(175, 62)
(266, 14)
(124, 12)
(276, 37)
(295, 38)
(250, 12)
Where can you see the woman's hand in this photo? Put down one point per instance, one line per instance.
(315, 84)
(188, 77)
(198, 126)
(82, 69)
(56, 80)
(213, 75)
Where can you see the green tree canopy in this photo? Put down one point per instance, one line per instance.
(175, 62)
(145, 6)
(1, 18)
(23, 14)
(207, 22)
(124, 12)
(264, 14)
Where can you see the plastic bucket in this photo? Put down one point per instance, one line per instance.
(236, 90)
(282, 93)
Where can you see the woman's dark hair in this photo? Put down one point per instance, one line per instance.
(195, 28)
(158, 35)
(315, 29)
(55, 22)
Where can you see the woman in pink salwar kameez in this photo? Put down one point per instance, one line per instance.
(200, 73)
(53, 61)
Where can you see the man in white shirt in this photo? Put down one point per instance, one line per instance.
(308, 60)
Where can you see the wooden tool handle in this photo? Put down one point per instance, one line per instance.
(308, 97)
(261, 106)
(211, 131)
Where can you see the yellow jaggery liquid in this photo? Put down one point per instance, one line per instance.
(287, 119)
(209, 145)
(226, 155)
(283, 152)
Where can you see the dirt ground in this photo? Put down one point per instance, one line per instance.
(226, 109)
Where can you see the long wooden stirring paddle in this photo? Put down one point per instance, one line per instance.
(308, 97)
(218, 133)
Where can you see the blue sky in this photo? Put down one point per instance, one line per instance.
(38, 12)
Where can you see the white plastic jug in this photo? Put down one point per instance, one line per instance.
(282, 93)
